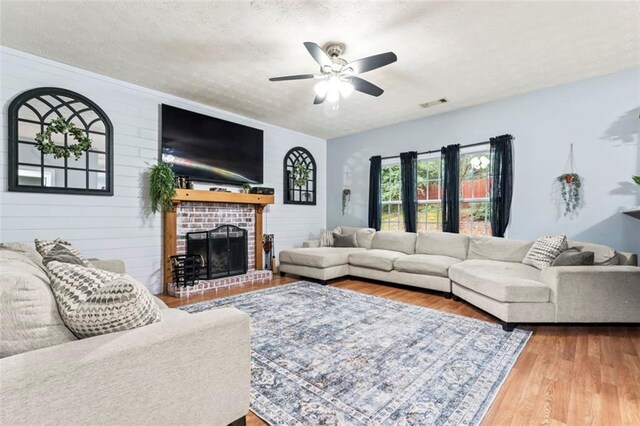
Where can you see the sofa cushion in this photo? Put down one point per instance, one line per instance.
(94, 302)
(495, 248)
(375, 259)
(364, 236)
(502, 281)
(29, 317)
(319, 257)
(346, 240)
(545, 250)
(443, 243)
(428, 264)
(43, 247)
(602, 255)
(404, 242)
(574, 257)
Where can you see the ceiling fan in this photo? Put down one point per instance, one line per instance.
(339, 77)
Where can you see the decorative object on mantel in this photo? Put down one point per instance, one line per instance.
(59, 142)
(269, 257)
(46, 145)
(245, 188)
(299, 174)
(162, 187)
(570, 185)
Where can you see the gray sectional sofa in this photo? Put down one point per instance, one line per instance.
(485, 271)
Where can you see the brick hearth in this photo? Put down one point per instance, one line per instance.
(196, 216)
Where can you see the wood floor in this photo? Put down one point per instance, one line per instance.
(566, 375)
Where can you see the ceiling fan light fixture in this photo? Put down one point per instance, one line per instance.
(321, 88)
(346, 89)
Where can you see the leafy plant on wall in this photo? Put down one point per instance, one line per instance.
(162, 187)
(570, 185)
(636, 179)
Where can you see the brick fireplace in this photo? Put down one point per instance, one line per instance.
(206, 215)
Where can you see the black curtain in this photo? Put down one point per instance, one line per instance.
(375, 202)
(502, 183)
(451, 188)
(408, 173)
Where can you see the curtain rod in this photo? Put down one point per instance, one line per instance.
(433, 151)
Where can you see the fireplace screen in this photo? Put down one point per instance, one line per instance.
(222, 251)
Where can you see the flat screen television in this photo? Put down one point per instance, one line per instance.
(210, 149)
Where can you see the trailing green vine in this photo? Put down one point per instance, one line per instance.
(45, 144)
(162, 187)
(570, 184)
(300, 174)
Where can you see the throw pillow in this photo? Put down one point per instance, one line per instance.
(574, 257)
(61, 253)
(545, 250)
(43, 247)
(347, 240)
(94, 302)
(326, 238)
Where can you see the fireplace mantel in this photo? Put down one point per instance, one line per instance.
(200, 196)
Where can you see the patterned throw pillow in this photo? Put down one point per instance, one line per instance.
(43, 247)
(94, 302)
(61, 253)
(326, 238)
(545, 250)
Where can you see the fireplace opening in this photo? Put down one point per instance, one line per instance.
(222, 251)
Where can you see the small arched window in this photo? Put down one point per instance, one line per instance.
(299, 177)
(30, 170)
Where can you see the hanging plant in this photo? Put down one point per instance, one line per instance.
(346, 197)
(636, 179)
(162, 187)
(570, 190)
(45, 144)
(300, 174)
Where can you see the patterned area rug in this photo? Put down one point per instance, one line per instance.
(323, 355)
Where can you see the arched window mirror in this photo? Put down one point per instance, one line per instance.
(30, 170)
(299, 177)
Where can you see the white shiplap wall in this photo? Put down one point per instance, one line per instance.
(120, 226)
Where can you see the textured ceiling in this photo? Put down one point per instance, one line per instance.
(222, 53)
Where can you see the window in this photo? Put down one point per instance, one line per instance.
(32, 171)
(429, 217)
(475, 193)
(392, 219)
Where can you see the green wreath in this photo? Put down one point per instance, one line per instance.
(300, 174)
(60, 125)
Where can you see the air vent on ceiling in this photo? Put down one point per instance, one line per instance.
(434, 103)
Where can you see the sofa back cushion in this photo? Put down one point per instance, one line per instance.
(364, 236)
(29, 317)
(404, 242)
(602, 255)
(443, 244)
(495, 248)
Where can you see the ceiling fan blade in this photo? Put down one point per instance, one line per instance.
(372, 62)
(318, 54)
(292, 77)
(319, 99)
(364, 86)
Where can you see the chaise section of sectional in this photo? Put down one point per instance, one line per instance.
(321, 263)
